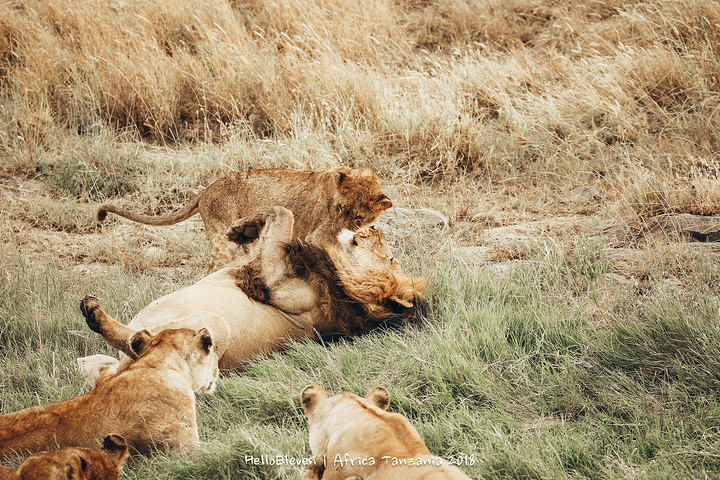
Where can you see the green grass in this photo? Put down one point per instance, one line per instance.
(508, 372)
(488, 111)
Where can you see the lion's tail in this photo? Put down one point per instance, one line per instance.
(178, 216)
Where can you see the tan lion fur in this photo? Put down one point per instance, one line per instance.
(73, 463)
(323, 203)
(354, 437)
(150, 402)
(289, 291)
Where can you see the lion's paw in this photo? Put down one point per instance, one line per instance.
(245, 230)
(88, 305)
(315, 469)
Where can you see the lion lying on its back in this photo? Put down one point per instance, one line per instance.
(323, 204)
(290, 290)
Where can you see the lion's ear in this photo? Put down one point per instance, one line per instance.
(315, 469)
(205, 339)
(116, 446)
(380, 204)
(344, 180)
(401, 301)
(140, 341)
(75, 468)
(380, 397)
(311, 397)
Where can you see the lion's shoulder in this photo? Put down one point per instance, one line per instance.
(344, 316)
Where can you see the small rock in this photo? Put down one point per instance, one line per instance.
(612, 281)
(529, 231)
(81, 269)
(697, 227)
(614, 234)
(91, 268)
(405, 221)
(473, 256)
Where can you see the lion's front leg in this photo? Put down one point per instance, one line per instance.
(115, 333)
(247, 229)
(268, 272)
(269, 232)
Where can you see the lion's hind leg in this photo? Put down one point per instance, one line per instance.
(115, 333)
(95, 366)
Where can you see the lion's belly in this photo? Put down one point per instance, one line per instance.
(254, 328)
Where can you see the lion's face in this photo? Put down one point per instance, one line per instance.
(361, 199)
(367, 248)
(366, 260)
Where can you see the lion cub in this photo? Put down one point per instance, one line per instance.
(73, 463)
(150, 403)
(323, 203)
(353, 437)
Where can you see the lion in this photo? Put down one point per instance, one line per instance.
(73, 463)
(357, 438)
(290, 290)
(149, 402)
(324, 203)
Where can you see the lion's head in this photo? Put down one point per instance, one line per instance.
(362, 427)
(349, 423)
(195, 348)
(360, 200)
(372, 275)
(78, 463)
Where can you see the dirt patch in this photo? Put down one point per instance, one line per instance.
(177, 248)
(17, 190)
(182, 251)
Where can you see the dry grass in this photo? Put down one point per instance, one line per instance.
(491, 111)
(504, 105)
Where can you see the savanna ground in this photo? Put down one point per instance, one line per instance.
(588, 357)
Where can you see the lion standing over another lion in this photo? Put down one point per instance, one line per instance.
(323, 203)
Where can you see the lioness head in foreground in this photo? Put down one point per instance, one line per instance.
(76, 463)
(195, 348)
(354, 436)
(148, 400)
